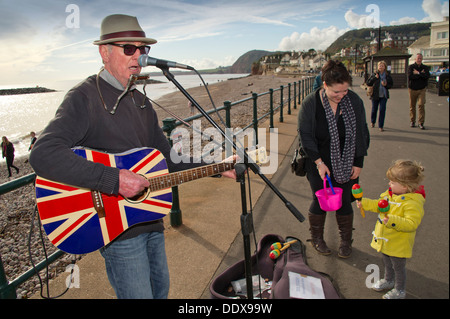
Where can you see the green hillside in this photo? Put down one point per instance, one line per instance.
(362, 36)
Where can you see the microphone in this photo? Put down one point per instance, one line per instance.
(145, 60)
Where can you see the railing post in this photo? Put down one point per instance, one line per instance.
(6, 291)
(295, 95)
(303, 89)
(271, 107)
(227, 105)
(255, 115)
(306, 86)
(176, 218)
(281, 104)
(299, 91)
(228, 146)
(289, 98)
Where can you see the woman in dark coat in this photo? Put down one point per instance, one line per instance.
(381, 82)
(8, 152)
(333, 133)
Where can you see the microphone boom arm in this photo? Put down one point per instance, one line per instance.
(255, 168)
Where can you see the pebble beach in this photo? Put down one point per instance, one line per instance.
(17, 207)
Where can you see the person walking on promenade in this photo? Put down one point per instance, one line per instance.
(381, 82)
(33, 140)
(136, 262)
(396, 227)
(317, 81)
(8, 152)
(333, 132)
(418, 75)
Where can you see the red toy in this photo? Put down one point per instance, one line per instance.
(358, 194)
(383, 206)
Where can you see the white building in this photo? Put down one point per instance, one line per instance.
(434, 47)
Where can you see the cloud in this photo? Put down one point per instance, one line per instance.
(360, 21)
(319, 39)
(207, 63)
(188, 21)
(404, 20)
(434, 10)
(354, 20)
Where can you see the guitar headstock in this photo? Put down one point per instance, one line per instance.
(257, 156)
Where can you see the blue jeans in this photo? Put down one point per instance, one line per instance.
(382, 102)
(137, 267)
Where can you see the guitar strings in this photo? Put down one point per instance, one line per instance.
(177, 178)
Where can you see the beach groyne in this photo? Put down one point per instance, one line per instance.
(31, 90)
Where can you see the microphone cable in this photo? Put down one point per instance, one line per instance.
(46, 259)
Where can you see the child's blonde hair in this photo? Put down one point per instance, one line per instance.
(407, 173)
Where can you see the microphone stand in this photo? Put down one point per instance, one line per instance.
(246, 219)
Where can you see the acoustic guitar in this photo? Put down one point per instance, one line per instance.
(79, 220)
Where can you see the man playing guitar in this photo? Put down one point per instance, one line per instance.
(106, 113)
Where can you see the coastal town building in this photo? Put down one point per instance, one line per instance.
(433, 47)
(397, 49)
(399, 42)
(397, 62)
(293, 62)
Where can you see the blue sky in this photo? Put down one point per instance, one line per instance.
(42, 42)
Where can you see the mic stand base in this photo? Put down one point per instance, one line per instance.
(246, 228)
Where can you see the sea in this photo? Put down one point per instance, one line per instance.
(21, 114)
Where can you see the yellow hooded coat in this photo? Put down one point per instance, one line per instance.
(396, 238)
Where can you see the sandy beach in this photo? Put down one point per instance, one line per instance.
(232, 90)
(16, 207)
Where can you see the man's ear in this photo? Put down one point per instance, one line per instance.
(104, 52)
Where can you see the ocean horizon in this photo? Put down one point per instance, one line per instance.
(20, 114)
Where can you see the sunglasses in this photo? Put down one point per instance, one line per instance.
(130, 49)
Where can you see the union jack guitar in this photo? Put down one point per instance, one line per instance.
(80, 220)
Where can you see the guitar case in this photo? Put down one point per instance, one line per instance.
(293, 259)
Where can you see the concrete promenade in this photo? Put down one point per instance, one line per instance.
(209, 241)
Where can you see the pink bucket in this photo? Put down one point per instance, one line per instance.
(330, 199)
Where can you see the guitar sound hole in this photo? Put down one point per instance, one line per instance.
(139, 197)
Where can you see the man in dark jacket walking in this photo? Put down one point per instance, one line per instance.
(418, 75)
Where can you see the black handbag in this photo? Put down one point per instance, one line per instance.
(298, 162)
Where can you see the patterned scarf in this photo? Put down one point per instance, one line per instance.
(341, 164)
(382, 91)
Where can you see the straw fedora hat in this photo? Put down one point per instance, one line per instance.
(120, 27)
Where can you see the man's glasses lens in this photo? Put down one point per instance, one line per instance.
(129, 49)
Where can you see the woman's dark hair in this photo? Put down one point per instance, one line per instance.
(335, 72)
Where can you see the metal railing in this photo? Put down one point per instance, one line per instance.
(8, 289)
(296, 92)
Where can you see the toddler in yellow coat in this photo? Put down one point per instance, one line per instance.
(395, 229)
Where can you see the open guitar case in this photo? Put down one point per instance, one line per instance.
(293, 259)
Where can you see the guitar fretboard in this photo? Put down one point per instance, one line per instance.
(177, 178)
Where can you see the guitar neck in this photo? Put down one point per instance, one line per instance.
(177, 178)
